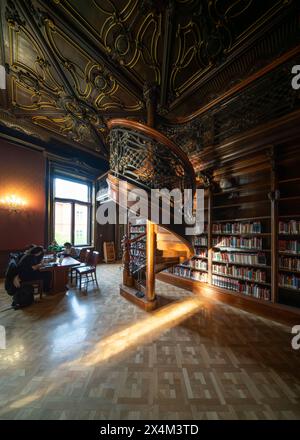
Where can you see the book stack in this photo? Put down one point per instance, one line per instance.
(289, 246)
(240, 258)
(245, 273)
(289, 281)
(237, 228)
(137, 248)
(289, 228)
(180, 271)
(201, 253)
(289, 263)
(200, 241)
(199, 264)
(238, 242)
(137, 229)
(242, 287)
(199, 276)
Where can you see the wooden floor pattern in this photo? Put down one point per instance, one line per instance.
(96, 356)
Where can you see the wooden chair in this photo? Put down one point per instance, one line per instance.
(88, 273)
(37, 286)
(84, 258)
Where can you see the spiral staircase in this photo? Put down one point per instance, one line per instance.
(145, 159)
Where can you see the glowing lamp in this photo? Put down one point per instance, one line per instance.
(13, 203)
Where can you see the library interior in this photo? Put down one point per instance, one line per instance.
(105, 313)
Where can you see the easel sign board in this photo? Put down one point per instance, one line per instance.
(109, 252)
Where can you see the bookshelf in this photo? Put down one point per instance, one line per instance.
(289, 228)
(253, 233)
(137, 255)
(235, 250)
(197, 269)
(240, 258)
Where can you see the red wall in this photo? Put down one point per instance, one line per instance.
(22, 173)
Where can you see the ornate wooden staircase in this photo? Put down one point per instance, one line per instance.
(145, 159)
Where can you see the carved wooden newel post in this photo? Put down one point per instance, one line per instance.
(150, 97)
(127, 278)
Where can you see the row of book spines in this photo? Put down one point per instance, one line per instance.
(186, 273)
(289, 245)
(289, 280)
(237, 228)
(241, 287)
(200, 241)
(138, 248)
(291, 227)
(138, 252)
(229, 257)
(289, 263)
(238, 242)
(201, 254)
(241, 272)
(137, 229)
(197, 264)
(251, 259)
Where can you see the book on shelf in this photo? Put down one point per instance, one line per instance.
(290, 227)
(182, 271)
(289, 246)
(238, 242)
(246, 273)
(241, 258)
(290, 281)
(137, 250)
(199, 276)
(289, 263)
(186, 272)
(242, 287)
(200, 241)
(199, 264)
(237, 228)
(137, 229)
(201, 253)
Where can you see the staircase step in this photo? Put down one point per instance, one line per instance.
(130, 294)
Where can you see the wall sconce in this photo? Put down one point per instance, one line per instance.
(13, 203)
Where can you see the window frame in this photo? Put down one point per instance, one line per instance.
(73, 202)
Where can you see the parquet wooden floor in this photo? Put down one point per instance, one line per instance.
(97, 356)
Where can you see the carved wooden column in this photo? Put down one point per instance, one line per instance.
(127, 278)
(209, 235)
(150, 95)
(150, 256)
(274, 198)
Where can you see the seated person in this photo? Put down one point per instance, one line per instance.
(28, 249)
(69, 250)
(29, 265)
(54, 247)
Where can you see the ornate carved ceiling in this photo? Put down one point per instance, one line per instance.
(73, 64)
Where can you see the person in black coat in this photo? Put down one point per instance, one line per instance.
(29, 265)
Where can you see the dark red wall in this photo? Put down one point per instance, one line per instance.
(22, 173)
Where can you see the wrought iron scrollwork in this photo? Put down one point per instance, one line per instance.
(147, 161)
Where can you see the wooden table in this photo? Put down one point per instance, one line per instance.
(60, 273)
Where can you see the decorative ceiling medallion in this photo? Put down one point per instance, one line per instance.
(82, 112)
